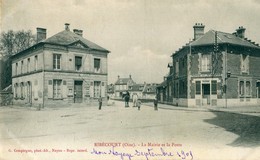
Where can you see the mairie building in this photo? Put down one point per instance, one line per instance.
(64, 68)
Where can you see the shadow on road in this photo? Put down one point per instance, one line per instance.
(247, 127)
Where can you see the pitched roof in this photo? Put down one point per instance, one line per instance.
(150, 88)
(123, 80)
(137, 87)
(222, 37)
(67, 38)
(163, 84)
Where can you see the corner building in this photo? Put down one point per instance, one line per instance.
(216, 69)
(65, 68)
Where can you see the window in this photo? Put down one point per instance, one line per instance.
(213, 87)
(57, 89)
(198, 87)
(97, 89)
(241, 88)
(244, 63)
(97, 64)
(28, 65)
(21, 67)
(205, 65)
(16, 68)
(78, 63)
(35, 63)
(56, 61)
(248, 88)
(22, 90)
(177, 67)
(16, 90)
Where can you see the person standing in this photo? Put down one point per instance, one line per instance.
(155, 102)
(127, 97)
(135, 99)
(139, 104)
(100, 102)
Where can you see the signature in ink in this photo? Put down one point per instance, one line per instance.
(149, 153)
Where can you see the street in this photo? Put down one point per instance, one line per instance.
(84, 132)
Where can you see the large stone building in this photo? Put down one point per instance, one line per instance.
(65, 68)
(216, 69)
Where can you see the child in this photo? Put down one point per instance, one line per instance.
(139, 104)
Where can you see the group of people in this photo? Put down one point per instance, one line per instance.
(136, 102)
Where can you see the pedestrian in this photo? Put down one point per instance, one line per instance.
(100, 102)
(155, 102)
(135, 99)
(139, 104)
(127, 97)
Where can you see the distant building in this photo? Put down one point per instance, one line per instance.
(216, 69)
(122, 85)
(111, 90)
(65, 68)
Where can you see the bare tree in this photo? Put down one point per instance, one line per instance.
(12, 42)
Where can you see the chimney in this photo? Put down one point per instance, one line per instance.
(198, 30)
(130, 76)
(118, 76)
(78, 32)
(67, 26)
(240, 32)
(41, 34)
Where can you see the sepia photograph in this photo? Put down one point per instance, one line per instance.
(129, 80)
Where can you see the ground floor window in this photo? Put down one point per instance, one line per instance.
(198, 87)
(57, 89)
(244, 88)
(97, 89)
(214, 87)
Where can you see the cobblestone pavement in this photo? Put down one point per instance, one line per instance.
(204, 133)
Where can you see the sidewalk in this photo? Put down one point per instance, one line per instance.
(245, 109)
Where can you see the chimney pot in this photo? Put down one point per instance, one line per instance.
(41, 34)
(240, 32)
(67, 26)
(78, 32)
(198, 30)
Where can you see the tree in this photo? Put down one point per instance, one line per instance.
(11, 43)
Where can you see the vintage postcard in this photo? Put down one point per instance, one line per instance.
(129, 80)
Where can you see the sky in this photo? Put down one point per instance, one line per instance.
(140, 34)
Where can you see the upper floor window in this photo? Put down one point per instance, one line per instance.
(56, 61)
(28, 65)
(205, 63)
(16, 68)
(35, 62)
(244, 63)
(21, 67)
(97, 64)
(177, 67)
(78, 63)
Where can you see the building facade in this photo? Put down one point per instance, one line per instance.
(216, 69)
(122, 85)
(65, 68)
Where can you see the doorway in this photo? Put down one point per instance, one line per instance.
(29, 92)
(206, 94)
(78, 91)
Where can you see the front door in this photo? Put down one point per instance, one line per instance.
(78, 91)
(205, 94)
